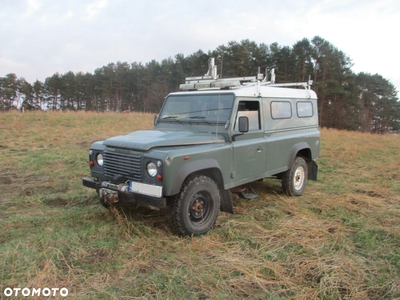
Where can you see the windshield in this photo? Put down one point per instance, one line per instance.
(198, 108)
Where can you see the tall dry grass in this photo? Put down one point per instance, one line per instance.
(340, 240)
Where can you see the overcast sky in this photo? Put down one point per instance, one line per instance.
(41, 37)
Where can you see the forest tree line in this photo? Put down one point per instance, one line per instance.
(346, 100)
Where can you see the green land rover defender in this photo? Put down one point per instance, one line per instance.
(214, 136)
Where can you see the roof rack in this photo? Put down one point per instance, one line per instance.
(211, 80)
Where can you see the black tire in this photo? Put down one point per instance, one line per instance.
(195, 209)
(294, 180)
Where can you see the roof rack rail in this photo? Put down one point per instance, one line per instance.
(211, 80)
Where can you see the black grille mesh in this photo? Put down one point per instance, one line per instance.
(127, 164)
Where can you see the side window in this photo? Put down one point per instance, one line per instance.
(250, 109)
(304, 109)
(281, 110)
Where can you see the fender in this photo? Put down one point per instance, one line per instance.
(190, 168)
(295, 149)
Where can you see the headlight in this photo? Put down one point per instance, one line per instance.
(151, 169)
(99, 159)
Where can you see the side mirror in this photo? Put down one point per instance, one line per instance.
(243, 124)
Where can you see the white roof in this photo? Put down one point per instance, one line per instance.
(259, 91)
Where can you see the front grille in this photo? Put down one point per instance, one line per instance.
(124, 163)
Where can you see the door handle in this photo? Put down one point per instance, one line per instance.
(259, 149)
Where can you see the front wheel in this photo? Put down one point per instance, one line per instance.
(195, 209)
(294, 180)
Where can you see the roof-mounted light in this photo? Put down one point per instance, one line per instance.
(216, 84)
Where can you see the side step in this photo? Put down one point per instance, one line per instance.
(246, 192)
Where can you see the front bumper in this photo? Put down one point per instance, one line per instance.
(112, 193)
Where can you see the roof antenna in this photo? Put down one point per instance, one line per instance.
(272, 71)
(273, 75)
(266, 75)
(259, 75)
(212, 69)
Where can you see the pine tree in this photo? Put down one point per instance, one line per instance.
(9, 92)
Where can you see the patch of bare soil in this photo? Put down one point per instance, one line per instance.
(57, 202)
(369, 193)
(5, 180)
(84, 144)
(7, 176)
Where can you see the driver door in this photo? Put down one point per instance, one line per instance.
(249, 157)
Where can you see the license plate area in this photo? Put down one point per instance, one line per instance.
(145, 189)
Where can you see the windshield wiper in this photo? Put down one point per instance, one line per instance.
(173, 118)
(169, 117)
(199, 119)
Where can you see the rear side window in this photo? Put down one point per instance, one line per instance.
(304, 109)
(281, 110)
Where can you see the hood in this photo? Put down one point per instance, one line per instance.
(147, 139)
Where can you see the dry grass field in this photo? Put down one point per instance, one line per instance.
(340, 240)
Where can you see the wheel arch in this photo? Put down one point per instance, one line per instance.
(206, 167)
(300, 149)
(303, 150)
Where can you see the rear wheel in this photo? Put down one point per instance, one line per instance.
(294, 180)
(195, 209)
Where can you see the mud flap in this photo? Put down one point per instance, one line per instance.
(312, 170)
(226, 201)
